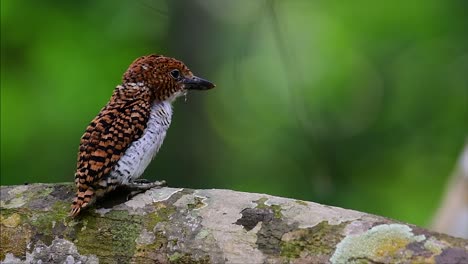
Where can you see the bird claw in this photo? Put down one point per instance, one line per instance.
(141, 185)
(133, 194)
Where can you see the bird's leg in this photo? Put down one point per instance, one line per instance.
(138, 186)
(144, 184)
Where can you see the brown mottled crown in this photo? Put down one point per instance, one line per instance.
(163, 75)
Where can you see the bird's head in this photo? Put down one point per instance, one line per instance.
(168, 78)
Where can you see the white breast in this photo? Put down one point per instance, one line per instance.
(140, 153)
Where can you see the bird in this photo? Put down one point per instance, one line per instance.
(126, 135)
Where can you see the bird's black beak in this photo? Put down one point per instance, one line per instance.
(197, 83)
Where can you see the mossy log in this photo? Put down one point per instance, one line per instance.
(171, 225)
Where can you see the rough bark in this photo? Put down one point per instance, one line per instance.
(206, 226)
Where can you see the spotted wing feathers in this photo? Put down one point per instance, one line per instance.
(119, 123)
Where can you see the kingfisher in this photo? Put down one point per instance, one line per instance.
(126, 135)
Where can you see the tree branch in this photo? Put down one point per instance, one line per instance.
(206, 226)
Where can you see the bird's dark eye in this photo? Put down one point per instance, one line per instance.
(175, 74)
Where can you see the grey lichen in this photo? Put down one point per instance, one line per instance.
(187, 240)
(12, 197)
(59, 251)
(382, 243)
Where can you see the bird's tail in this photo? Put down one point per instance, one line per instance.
(82, 199)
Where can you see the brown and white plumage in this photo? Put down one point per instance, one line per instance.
(126, 134)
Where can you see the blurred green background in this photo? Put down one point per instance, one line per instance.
(357, 104)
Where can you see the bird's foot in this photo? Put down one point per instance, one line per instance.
(141, 185)
(144, 184)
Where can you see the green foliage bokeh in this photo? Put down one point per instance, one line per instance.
(360, 104)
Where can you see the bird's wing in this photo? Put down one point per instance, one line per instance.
(107, 137)
(119, 123)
